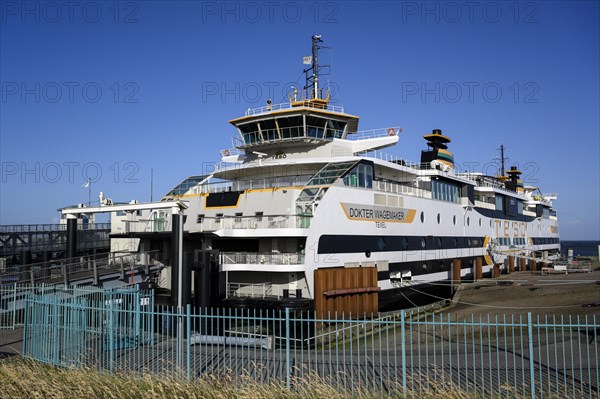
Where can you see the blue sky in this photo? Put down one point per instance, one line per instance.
(110, 90)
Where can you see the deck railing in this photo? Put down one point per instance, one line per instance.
(250, 290)
(375, 133)
(253, 184)
(262, 258)
(33, 228)
(255, 222)
(284, 106)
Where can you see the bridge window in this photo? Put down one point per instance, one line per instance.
(335, 129)
(445, 191)
(315, 127)
(360, 176)
(499, 202)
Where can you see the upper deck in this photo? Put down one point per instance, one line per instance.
(269, 109)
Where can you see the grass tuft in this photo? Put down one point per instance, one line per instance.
(21, 378)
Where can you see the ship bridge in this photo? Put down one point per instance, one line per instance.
(305, 121)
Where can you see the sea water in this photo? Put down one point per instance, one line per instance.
(580, 248)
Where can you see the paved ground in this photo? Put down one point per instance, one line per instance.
(522, 292)
(10, 342)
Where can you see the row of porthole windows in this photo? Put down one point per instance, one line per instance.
(439, 218)
(439, 244)
(451, 242)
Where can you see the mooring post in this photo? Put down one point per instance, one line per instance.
(177, 279)
(456, 274)
(25, 265)
(478, 268)
(122, 265)
(47, 267)
(147, 263)
(71, 237)
(63, 268)
(96, 279)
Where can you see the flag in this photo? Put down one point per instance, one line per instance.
(86, 184)
(307, 60)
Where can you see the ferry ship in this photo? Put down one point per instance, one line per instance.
(306, 211)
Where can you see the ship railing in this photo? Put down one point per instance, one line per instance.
(249, 290)
(301, 221)
(253, 184)
(155, 225)
(283, 106)
(262, 258)
(485, 181)
(384, 156)
(32, 228)
(375, 133)
(405, 188)
(482, 181)
(484, 204)
(230, 151)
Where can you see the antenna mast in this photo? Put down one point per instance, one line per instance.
(502, 160)
(313, 80)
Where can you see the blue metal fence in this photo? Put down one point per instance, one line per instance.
(409, 352)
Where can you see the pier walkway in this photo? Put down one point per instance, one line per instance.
(37, 238)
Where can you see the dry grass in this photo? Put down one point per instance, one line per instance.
(27, 379)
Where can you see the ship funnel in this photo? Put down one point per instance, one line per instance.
(437, 152)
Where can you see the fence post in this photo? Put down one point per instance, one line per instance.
(287, 349)
(111, 331)
(14, 312)
(25, 327)
(403, 349)
(55, 327)
(188, 344)
(531, 363)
